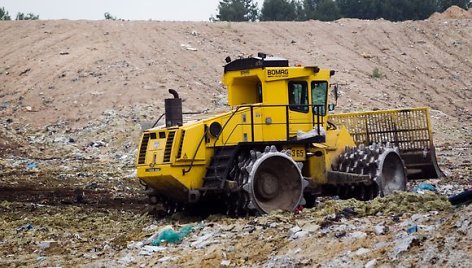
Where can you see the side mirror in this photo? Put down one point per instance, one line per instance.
(331, 107)
(335, 92)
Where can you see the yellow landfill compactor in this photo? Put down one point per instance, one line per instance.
(279, 148)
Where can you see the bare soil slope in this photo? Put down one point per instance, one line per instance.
(76, 70)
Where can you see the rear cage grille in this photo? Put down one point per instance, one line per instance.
(407, 129)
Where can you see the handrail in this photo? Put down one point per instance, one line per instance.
(319, 122)
(185, 171)
(287, 107)
(226, 123)
(155, 123)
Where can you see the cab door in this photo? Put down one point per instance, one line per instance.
(299, 112)
(319, 96)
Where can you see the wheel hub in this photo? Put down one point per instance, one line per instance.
(267, 186)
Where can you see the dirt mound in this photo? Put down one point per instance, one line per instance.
(454, 12)
(74, 72)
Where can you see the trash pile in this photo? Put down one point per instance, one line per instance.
(69, 131)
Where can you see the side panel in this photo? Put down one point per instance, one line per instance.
(336, 142)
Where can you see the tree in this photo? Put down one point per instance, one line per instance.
(281, 10)
(445, 4)
(361, 9)
(237, 10)
(29, 16)
(400, 10)
(108, 16)
(4, 14)
(394, 10)
(325, 10)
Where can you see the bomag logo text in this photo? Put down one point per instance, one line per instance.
(277, 73)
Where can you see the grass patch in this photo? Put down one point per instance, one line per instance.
(376, 73)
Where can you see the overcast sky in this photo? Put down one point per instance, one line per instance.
(181, 10)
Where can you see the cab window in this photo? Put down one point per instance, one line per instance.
(298, 96)
(319, 89)
(259, 93)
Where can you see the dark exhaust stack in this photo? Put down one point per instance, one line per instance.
(173, 110)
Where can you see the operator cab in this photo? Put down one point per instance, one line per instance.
(270, 80)
(293, 96)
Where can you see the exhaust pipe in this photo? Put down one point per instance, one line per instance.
(173, 110)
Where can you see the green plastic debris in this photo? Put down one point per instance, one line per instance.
(171, 236)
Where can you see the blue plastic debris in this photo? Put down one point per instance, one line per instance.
(412, 229)
(31, 166)
(420, 188)
(25, 227)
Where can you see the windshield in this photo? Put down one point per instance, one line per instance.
(319, 90)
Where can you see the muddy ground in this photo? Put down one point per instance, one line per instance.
(74, 96)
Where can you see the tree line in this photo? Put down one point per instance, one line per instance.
(329, 10)
(19, 16)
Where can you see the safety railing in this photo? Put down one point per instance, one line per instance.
(316, 119)
(317, 112)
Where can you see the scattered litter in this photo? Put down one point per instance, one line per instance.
(463, 198)
(188, 47)
(203, 241)
(126, 260)
(412, 229)
(380, 229)
(47, 244)
(357, 235)
(167, 258)
(293, 231)
(402, 244)
(171, 236)
(31, 166)
(422, 187)
(225, 263)
(25, 227)
(371, 264)
(361, 251)
(149, 250)
(97, 144)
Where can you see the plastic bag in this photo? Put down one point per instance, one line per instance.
(171, 236)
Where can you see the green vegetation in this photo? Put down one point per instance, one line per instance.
(237, 10)
(19, 16)
(329, 10)
(281, 10)
(108, 16)
(29, 16)
(376, 74)
(4, 14)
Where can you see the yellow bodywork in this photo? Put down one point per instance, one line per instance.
(268, 105)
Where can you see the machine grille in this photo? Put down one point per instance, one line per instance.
(143, 148)
(168, 149)
(179, 153)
